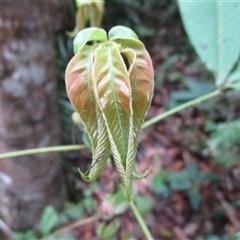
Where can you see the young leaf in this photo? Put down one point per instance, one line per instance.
(141, 75)
(121, 32)
(110, 83)
(79, 81)
(87, 35)
(113, 94)
(89, 11)
(96, 13)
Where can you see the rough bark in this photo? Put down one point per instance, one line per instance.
(28, 112)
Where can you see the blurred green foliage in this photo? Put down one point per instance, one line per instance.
(51, 219)
(236, 236)
(224, 143)
(184, 180)
(194, 89)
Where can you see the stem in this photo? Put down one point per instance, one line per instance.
(79, 147)
(42, 150)
(140, 220)
(193, 102)
(72, 226)
(7, 231)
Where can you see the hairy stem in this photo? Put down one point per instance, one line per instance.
(141, 221)
(177, 109)
(42, 150)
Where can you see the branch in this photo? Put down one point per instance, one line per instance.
(177, 109)
(7, 231)
(42, 150)
(79, 147)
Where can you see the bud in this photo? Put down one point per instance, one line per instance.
(88, 12)
(110, 83)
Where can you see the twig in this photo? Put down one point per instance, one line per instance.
(193, 102)
(179, 233)
(42, 150)
(79, 147)
(229, 210)
(72, 226)
(7, 231)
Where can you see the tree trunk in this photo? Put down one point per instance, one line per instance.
(28, 112)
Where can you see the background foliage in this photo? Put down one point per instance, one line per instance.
(193, 188)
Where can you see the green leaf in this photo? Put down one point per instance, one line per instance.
(140, 69)
(63, 237)
(96, 13)
(236, 236)
(79, 82)
(214, 30)
(233, 80)
(89, 2)
(73, 211)
(192, 170)
(49, 220)
(144, 203)
(180, 186)
(141, 78)
(194, 90)
(118, 201)
(159, 185)
(87, 35)
(213, 237)
(89, 11)
(81, 18)
(194, 198)
(111, 86)
(122, 32)
(86, 140)
(113, 94)
(108, 231)
(26, 235)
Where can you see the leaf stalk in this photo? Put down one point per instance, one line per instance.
(41, 150)
(154, 120)
(177, 109)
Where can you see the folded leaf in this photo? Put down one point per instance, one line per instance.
(113, 94)
(110, 83)
(121, 32)
(141, 75)
(87, 35)
(79, 80)
(89, 11)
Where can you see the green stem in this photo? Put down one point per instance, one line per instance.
(41, 150)
(140, 220)
(193, 102)
(79, 147)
